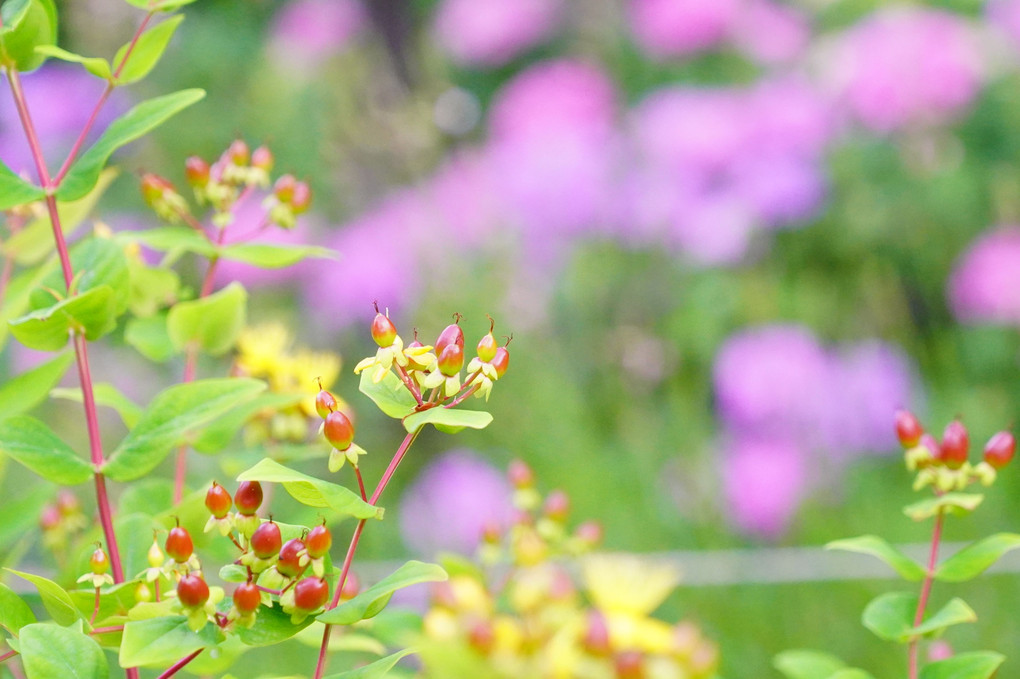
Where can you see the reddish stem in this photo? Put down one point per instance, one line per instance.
(95, 609)
(922, 602)
(405, 445)
(8, 655)
(176, 667)
(107, 630)
(361, 483)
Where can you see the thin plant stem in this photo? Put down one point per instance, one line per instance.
(922, 602)
(177, 666)
(361, 483)
(405, 445)
(107, 630)
(8, 655)
(95, 609)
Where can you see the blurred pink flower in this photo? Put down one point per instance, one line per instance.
(305, 33)
(450, 503)
(670, 28)
(771, 33)
(985, 284)
(492, 32)
(905, 65)
(763, 484)
(1006, 15)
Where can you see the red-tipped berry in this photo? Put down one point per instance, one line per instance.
(451, 334)
(291, 555)
(217, 501)
(325, 403)
(262, 158)
(318, 541)
(178, 544)
(596, 635)
(383, 330)
(501, 361)
(68, 503)
(520, 474)
(311, 594)
(482, 637)
(451, 360)
(630, 665)
(238, 153)
(247, 598)
(153, 188)
(192, 591)
(338, 430)
(266, 540)
(908, 428)
(955, 444)
(196, 171)
(301, 198)
(1000, 449)
(248, 497)
(557, 506)
(283, 189)
(99, 562)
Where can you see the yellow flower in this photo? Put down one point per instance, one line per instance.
(383, 360)
(624, 583)
(260, 348)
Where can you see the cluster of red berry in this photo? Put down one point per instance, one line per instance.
(945, 465)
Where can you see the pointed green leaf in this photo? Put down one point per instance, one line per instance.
(955, 612)
(311, 491)
(807, 664)
(974, 559)
(97, 66)
(152, 288)
(172, 419)
(270, 256)
(15, 302)
(150, 338)
(375, 670)
(16, 191)
(12, 13)
(974, 665)
(213, 323)
(30, 442)
(373, 600)
(891, 615)
(389, 394)
(96, 262)
(271, 626)
(55, 598)
(953, 503)
(171, 239)
(233, 573)
(449, 420)
(879, 548)
(27, 390)
(216, 436)
(94, 313)
(147, 51)
(49, 651)
(14, 613)
(135, 123)
(108, 396)
(30, 27)
(162, 641)
(170, 5)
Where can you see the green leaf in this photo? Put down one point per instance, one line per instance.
(217, 435)
(98, 262)
(369, 603)
(115, 600)
(34, 242)
(49, 651)
(14, 613)
(271, 626)
(974, 665)
(172, 418)
(12, 13)
(33, 444)
(93, 312)
(171, 239)
(135, 123)
(55, 598)
(213, 322)
(891, 615)
(879, 548)
(376, 670)
(807, 664)
(147, 51)
(311, 491)
(389, 394)
(16, 191)
(269, 256)
(974, 559)
(150, 338)
(953, 503)
(170, 5)
(15, 302)
(152, 288)
(851, 673)
(31, 25)
(106, 395)
(163, 641)
(233, 573)
(953, 613)
(97, 66)
(27, 390)
(449, 420)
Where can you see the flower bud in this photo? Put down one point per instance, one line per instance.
(908, 428)
(1000, 449)
(955, 444)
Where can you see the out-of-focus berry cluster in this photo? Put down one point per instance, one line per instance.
(538, 620)
(944, 465)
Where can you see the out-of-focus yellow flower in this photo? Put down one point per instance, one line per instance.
(260, 348)
(624, 583)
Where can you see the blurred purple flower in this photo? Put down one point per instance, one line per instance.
(492, 32)
(451, 501)
(307, 32)
(771, 33)
(763, 484)
(670, 28)
(247, 222)
(905, 65)
(985, 284)
(1006, 15)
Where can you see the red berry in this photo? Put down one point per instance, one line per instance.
(196, 171)
(451, 360)
(383, 330)
(178, 544)
(451, 334)
(301, 199)
(238, 153)
(908, 428)
(248, 497)
(325, 403)
(338, 430)
(262, 158)
(99, 562)
(630, 665)
(492, 532)
(351, 587)
(955, 444)
(1000, 449)
(247, 598)
(318, 542)
(501, 361)
(192, 591)
(520, 474)
(67, 503)
(153, 187)
(266, 539)
(596, 636)
(311, 594)
(557, 505)
(217, 501)
(50, 518)
(283, 189)
(482, 637)
(290, 558)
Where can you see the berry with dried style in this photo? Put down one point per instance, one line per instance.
(99, 562)
(192, 591)
(247, 598)
(311, 594)
(338, 430)
(955, 445)
(248, 497)
(908, 428)
(1000, 449)
(238, 153)
(196, 171)
(292, 554)
(383, 330)
(451, 360)
(501, 361)
(319, 541)
(178, 544)
(266, 540)
(451, 334)
(217, 501)
(325, 402)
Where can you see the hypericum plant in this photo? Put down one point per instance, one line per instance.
(903, 617)
(146, 589)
